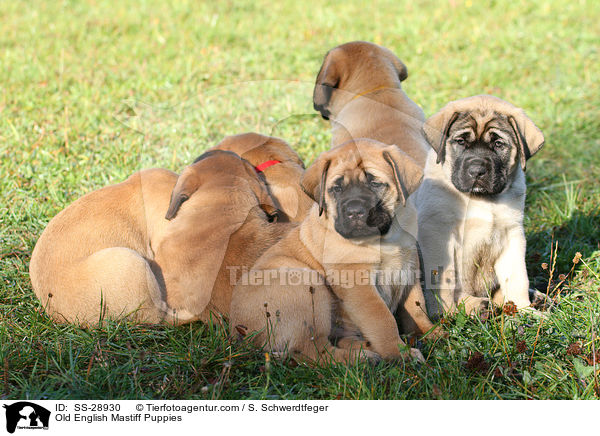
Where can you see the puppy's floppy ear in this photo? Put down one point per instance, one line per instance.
(529, 138)
(407, 173)
(259, 187)
(327, 79)
(267, 204)
(187, 183)
(399, 66)
(436, 130)
(313, 181)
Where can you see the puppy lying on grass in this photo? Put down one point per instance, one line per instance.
(156, 247)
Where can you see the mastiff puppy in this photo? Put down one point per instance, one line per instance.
(281, 167)
(156, 247)
(470, 204)
(358, 89)
(318, 284)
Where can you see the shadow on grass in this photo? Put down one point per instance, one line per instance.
(580, 233)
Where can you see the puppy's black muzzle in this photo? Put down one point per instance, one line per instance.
(355, 210)
(477, 168)
(479, 172)
(323, 110)
(360, 213)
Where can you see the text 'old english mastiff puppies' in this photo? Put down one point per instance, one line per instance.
(155, 248)
(347, 266)
(358, 89)
(281, 167)
(471, 202)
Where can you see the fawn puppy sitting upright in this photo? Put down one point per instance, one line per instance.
(471, 205)
(345, 269)
(359, 90)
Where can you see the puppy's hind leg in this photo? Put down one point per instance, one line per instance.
(323, 352)
(112, 283)
(315, 345)
(294, 320)
(413, 316)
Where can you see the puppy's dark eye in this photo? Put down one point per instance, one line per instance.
(336, 186)
(498, 143)
(460, 141)
(373, 182)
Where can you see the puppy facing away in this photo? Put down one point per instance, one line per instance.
(358, 89)
(156, 247)
(318, 283)
(470, 204)
(282, 169)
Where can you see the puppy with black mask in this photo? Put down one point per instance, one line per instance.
(320, 293)
(470, 204)
(359, 209)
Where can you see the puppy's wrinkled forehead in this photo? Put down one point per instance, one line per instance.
(354, 160)
(481, 125)
(348, 167)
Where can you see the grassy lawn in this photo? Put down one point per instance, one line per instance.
(93, 91)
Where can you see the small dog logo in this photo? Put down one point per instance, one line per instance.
(26, 415)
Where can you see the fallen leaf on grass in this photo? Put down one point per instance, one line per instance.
(509, 308)
(574, 349)
(521, 346)
(477, 363)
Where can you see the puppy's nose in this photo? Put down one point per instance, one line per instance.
(477, 169)
(355, 210)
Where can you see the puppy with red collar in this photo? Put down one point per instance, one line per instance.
(281, 167)
(157, 247)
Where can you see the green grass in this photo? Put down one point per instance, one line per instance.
(93, 91)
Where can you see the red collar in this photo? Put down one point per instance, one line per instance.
(263, 166)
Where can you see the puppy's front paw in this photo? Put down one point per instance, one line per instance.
(416, 354)
(539, 300)
(402, 352)
(435, 334)
(369, 356)
(476, 305)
